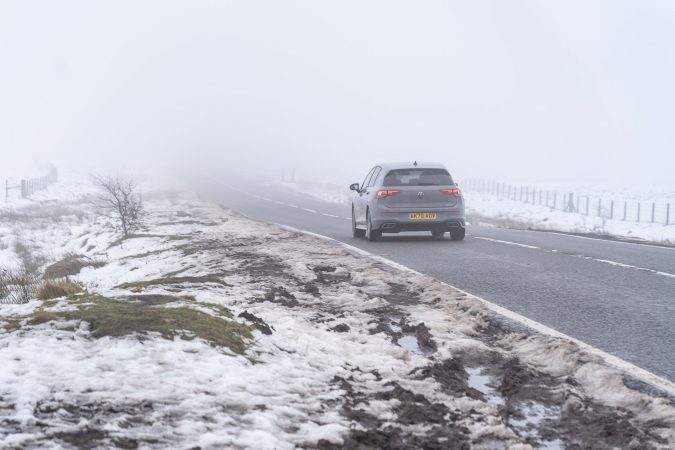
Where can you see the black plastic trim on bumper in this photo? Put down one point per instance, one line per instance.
(397, 227)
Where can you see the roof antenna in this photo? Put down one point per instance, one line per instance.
(415, 164)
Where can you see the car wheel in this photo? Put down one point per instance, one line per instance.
(371, 235)
(457, 234)
(438, 233)
(356, 232)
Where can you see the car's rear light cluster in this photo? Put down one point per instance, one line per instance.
(454, 191)
(387, 193)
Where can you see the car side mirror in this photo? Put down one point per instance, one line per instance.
(354, 186)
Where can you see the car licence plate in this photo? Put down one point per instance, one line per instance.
(422, 216)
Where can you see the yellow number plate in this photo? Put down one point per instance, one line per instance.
(422, 216)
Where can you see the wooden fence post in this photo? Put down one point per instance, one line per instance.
(611, 209)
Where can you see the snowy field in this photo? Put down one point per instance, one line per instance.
(209, 330)
(499, 211)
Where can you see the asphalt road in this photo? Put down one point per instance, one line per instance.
(616, 296)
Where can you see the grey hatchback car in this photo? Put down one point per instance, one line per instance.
(397, 197)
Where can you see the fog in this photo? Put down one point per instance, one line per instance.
(522, 91)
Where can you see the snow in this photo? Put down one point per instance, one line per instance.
(491, 209)
(279, 394)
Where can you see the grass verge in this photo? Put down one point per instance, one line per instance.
(140, 315)
(139, 285)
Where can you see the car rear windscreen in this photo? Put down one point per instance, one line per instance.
(417, 177)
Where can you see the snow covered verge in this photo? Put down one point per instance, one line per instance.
(500, 211)
(210, 330)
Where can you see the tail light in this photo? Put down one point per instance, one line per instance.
(454, 191)
(386, 193)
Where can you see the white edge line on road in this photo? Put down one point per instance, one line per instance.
(633, 370)
(600, 239)
(628, 266)
(589, 258)
(506, 242)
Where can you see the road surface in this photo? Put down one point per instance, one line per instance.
(617, 296)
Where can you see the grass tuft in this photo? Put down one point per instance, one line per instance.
(17, 285)
(40, 317)
(70, 266)
(163, 314)
(58, 288)
(139, 285)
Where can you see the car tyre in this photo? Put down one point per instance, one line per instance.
(356, 232)
(371, 235)
(458, 234)
(438, 233)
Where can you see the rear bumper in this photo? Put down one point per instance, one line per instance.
(394, 226)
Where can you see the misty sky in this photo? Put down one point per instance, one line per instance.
(527, 91)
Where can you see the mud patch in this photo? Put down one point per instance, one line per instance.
(422, 335)
(419, 424)
(259, 265)
(280, 295)
(399, 294)
(452, 377)
(415, 338)
(331, 275)
(258, 323)
(312, 289)
(340, 328)
(98, 415)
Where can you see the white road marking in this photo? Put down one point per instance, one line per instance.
(628, 266)
(589, 258)
(313, 211)
(600, 239)
(637, 372)
(505, 242)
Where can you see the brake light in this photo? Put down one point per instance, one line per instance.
(454, 191)
(386, 193)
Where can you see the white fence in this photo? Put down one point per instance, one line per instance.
(607, 208)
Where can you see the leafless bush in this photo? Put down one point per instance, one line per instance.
(50, 289)
(121, 199)
(17, 285)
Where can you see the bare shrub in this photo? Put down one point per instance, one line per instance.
(50, 289)
(120, 198)
(17, 285)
